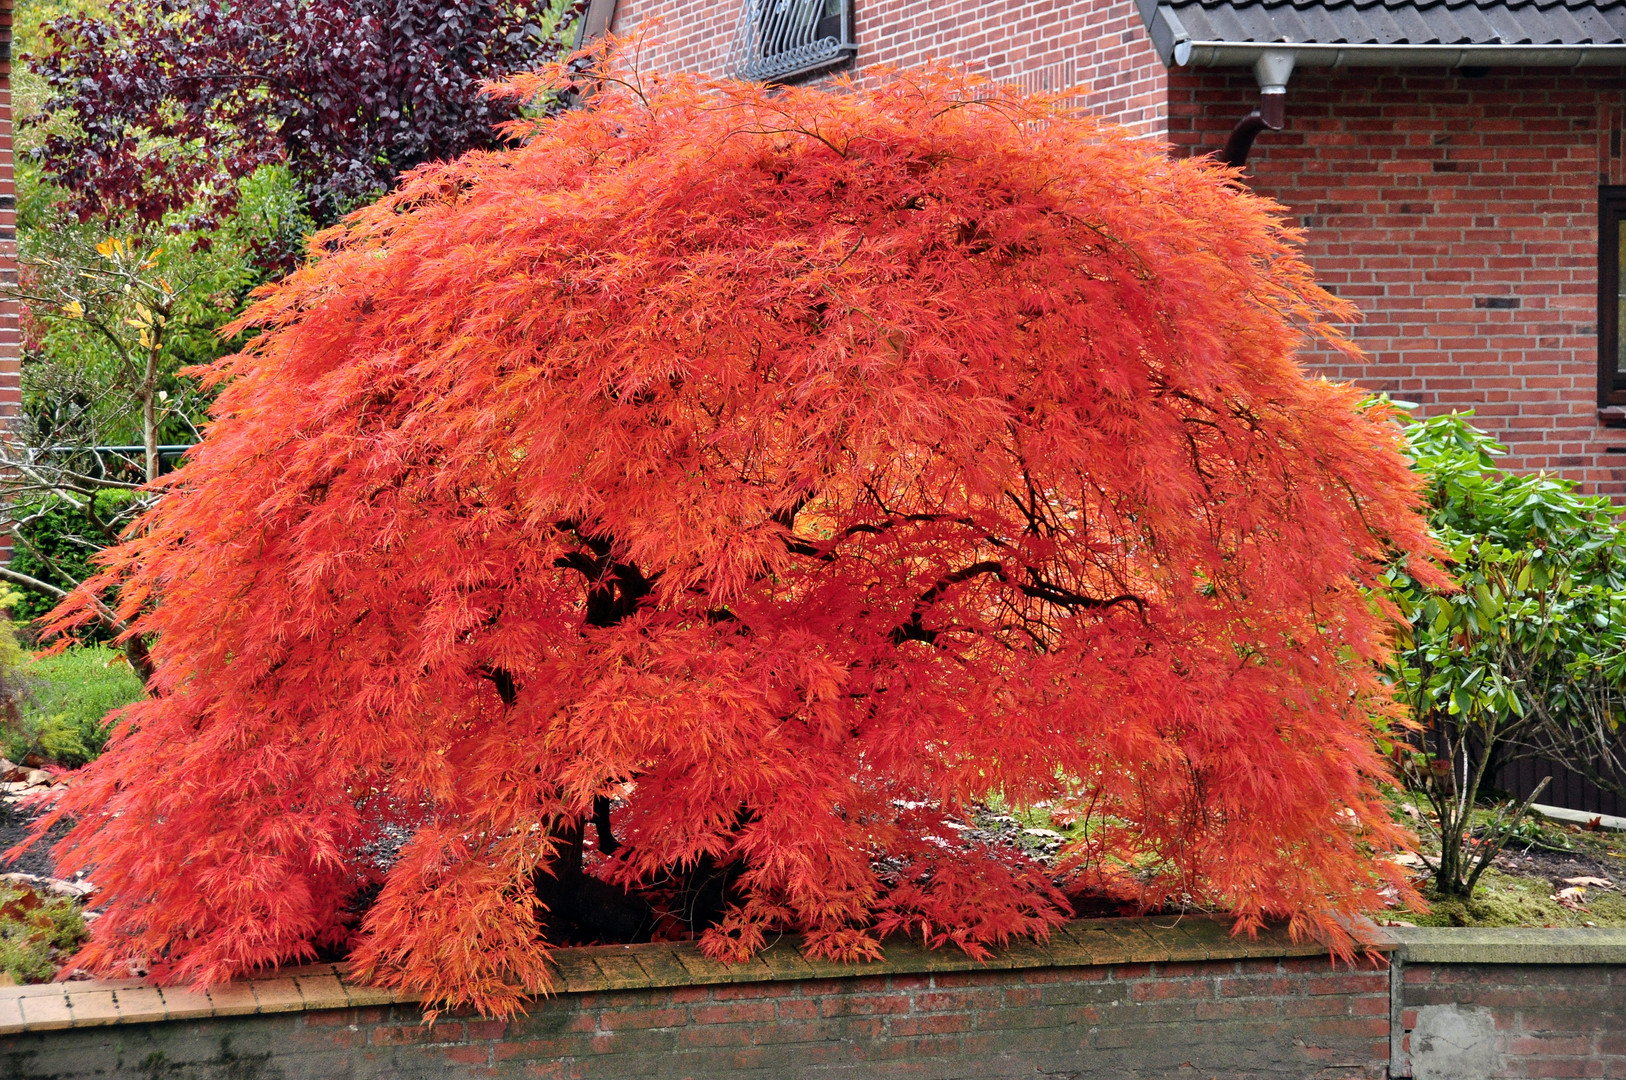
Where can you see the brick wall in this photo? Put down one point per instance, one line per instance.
(1102, 998)
(1514, 1020)
(1290, 1018)
(1037, 44)
(1461, 215)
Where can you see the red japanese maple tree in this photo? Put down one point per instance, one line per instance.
(671, 524)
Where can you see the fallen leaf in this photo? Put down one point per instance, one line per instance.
(1407, 858)
(1571, 897)
(1590, 882)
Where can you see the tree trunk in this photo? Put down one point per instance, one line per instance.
(135, 651)
(596, 907)
(149, 408)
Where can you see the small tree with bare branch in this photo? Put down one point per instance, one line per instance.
(111, 316)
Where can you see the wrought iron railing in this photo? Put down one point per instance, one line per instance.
(782, 39)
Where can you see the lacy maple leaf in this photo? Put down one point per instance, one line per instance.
(685, 514)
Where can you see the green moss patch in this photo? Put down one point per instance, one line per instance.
(1526, 884)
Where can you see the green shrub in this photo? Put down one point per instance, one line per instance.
(67, 538)
(14, 683)
(1527, 656)
(71, 694)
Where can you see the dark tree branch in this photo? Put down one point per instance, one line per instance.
(1067, 598)
(503, 680)
(1038, 589)
(914, 629)
(607, 843)
(615, 589)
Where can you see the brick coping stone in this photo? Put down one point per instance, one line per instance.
(1083, 943)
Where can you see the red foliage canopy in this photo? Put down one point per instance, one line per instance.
(762, 477)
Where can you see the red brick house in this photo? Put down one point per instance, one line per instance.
(1456, 164)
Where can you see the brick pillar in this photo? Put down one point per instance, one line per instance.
(11, 393)
(11, 340)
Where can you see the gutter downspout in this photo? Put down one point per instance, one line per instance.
(594, 23)
(1272, 70)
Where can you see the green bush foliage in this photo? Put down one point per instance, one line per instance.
(55, 545)
(71, 693)
(1528, 656)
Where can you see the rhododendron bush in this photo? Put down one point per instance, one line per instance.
(671, 524)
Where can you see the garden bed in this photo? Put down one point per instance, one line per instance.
(1553, 874)
(1558, 874)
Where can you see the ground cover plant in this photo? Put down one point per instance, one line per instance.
(677, 524)
(36, 933)
(56, 710)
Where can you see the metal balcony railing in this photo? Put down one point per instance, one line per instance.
(782, 39)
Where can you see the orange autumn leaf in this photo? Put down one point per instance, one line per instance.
(767, 476)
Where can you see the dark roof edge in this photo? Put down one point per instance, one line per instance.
(1167, 32)
(1177, 49)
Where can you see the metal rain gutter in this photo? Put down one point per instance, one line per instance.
(1239, 54)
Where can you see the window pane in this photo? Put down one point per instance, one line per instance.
(1620, 308)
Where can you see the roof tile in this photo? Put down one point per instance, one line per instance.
(1405, 22)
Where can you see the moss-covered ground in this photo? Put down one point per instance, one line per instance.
(1551, 874)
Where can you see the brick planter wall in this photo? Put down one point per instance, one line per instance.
(1516, 1020)
(1115, 998)
(1255, 1018)
(1509, 1003)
